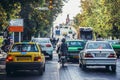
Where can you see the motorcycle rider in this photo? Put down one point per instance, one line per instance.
(6, 44)
(63, 48)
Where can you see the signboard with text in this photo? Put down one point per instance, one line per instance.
(16, 25)
(57, 32)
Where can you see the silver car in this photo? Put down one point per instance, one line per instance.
(98, 53)
(46, 46)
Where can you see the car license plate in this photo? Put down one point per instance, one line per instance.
(23, 59)
(76, 57)
(62, 56)
(100, 55)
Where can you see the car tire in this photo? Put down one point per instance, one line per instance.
(44, 68)
(51, 57)
(83, 66)
(113, 68)
(41, 70)
(117, 56)
(107, 67)
(80, 65)
(14, 72)
(8, 72)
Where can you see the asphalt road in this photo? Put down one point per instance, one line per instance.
(71, 71)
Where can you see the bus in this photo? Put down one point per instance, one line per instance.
(85, 33)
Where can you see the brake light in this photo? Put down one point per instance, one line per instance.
(112, 56)
(88, 55)
(37, 58)
(48, 45)
(9, 58)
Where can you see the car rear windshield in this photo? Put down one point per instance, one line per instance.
(114, 42)
(76, 43)
(98, 45)
(24, 48)
(44, 41)
(41, 40)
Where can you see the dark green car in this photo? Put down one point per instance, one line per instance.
(74, 47)
(116, 46)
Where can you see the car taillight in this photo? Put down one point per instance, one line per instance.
(88, 55)
(112, 56)
(37, 58)
(48, 45)
(9, 58)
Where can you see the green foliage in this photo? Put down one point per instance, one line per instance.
(3, 17)
(102, 15)
(35, 21)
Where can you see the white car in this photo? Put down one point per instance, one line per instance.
(46, 46)
(98, 53)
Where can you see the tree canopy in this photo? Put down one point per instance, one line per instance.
(35, 21)
(102, 15)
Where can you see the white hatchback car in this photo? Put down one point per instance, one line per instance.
(46, 46)
(98, 53)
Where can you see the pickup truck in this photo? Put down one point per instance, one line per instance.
(116, 46)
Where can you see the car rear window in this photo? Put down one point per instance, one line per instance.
(44, 41)
(114, 42)
(24, 48)
(98, 45)
(38, 40)
(75, 43)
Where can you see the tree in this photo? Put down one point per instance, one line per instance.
(102, 15)
(35, 21)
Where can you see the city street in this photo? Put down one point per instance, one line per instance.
(71, 71)
(31, 30)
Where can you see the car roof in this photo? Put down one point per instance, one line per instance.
(24, 43)
(112, 40)
(74, 40)
(97, 41)
(41, 38)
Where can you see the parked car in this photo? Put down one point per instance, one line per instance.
(46, 46)
(74, 47)
(25, 56)
(116, 46)
(98, 53)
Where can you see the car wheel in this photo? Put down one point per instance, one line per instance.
(14, 72)
(51, 57)
(113, 67)
(8, 72)
(80, 65)
(41, 71)
(107, 67)
(44, 68)
(117, 56)
(83, 66)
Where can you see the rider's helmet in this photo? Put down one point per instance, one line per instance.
(63, 40)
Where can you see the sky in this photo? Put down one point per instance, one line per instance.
(72, 8)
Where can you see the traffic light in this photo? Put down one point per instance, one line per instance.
(50, 4)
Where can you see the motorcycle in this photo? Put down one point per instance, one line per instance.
(63, 59)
